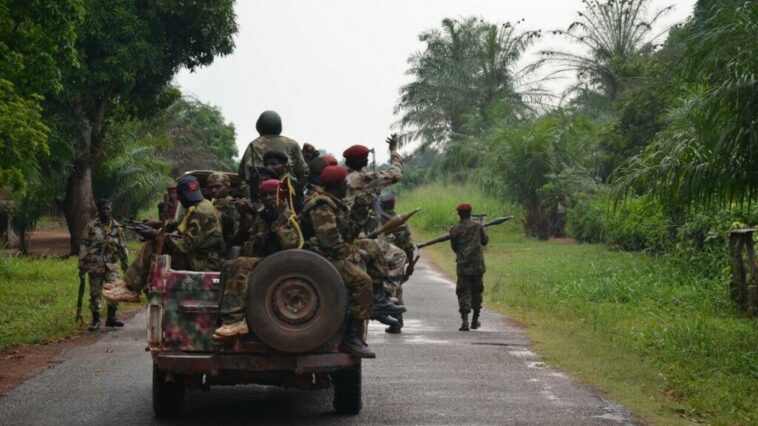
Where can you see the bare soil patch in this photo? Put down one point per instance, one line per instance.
(48, 242)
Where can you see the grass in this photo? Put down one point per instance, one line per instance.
(655, 336)
(39, 300)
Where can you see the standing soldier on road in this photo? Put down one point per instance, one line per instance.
(269, 126)
(467, 239)
(220, 186)
(103, 248)
(198, 246)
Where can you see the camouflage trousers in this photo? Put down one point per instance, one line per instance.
(376, 264)
(360, 294)
(139, 270)
(234, 288)
(469, 290)
(96, 281)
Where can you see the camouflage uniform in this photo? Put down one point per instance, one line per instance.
(266, 237)
(198, 248)
(366, 181)
(103, 248)
(330, 229)
(467, 239)
(263, 144)
(230, 219)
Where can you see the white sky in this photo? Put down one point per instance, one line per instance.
(332, 68)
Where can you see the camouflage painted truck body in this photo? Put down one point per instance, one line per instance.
(182, 316)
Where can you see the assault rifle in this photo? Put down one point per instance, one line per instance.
(496, 221)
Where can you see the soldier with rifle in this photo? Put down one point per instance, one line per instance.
(197, 245)
(466, 240)
(103, 249)
(269, 126)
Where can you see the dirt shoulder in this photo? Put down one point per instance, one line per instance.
(23, 362)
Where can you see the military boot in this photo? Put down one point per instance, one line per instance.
(385, 319)
(111, 320)
(352, 343)
(382, 304)
(395, 329)
(464, 322)
(95, 321)
(475, 320)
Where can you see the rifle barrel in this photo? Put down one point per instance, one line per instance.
(496, 221)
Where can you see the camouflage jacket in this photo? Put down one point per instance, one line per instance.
(401, 237)
(365, 180)
(200, 238)
(467, 239)
(263, 144)
(103, 247)
(268, 236)
(230, 218)
(329, 227)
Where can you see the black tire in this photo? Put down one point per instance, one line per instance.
(347, 391)
(296, 301)
(168, 397)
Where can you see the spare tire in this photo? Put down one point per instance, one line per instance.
(296, 301)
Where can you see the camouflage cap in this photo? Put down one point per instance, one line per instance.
(218, 177)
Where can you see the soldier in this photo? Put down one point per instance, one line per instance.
(309, 153)
(398, 251)
(197, 246)
(467, 239)
(316, 166)
(269, 126)
(277, 161)
(274, 228)
(361, 180)
(167, 208)
(220, 186)
(329, 229)
(103, 248)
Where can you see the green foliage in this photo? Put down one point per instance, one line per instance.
(36, 40)
(706, 155)
(654, 332)
(197, 136)
(616, 41)
(465, 73)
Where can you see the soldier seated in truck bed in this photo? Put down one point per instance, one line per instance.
(274, 228)
(198, 246)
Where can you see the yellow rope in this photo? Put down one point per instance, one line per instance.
(185, 220)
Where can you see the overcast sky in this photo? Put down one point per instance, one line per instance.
(332, 68)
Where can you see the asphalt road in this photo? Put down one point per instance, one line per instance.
(430, 374)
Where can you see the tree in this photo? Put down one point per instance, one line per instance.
(707, 153)
(36, 41)
(198, 138)
(616, 38)
(466, 69)
(129, 50)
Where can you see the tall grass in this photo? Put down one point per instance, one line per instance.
(657, 336)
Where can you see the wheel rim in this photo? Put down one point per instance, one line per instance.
(293, 302)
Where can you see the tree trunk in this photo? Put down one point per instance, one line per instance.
(79, 205)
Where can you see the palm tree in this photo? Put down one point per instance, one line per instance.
(615, 35)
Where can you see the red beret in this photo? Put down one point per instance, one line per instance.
(465, 207)
(332, 175)
(269, 185)
(331, 160)
(356, 153)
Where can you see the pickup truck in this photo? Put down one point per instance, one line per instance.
(296, 312)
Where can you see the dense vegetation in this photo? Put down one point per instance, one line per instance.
(653, 146)
(86, 103)
(653, 332)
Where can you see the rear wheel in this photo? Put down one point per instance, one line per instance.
(296, 301)
(168, 397)
(347, 391)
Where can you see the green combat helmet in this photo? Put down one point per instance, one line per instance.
(269, 123)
